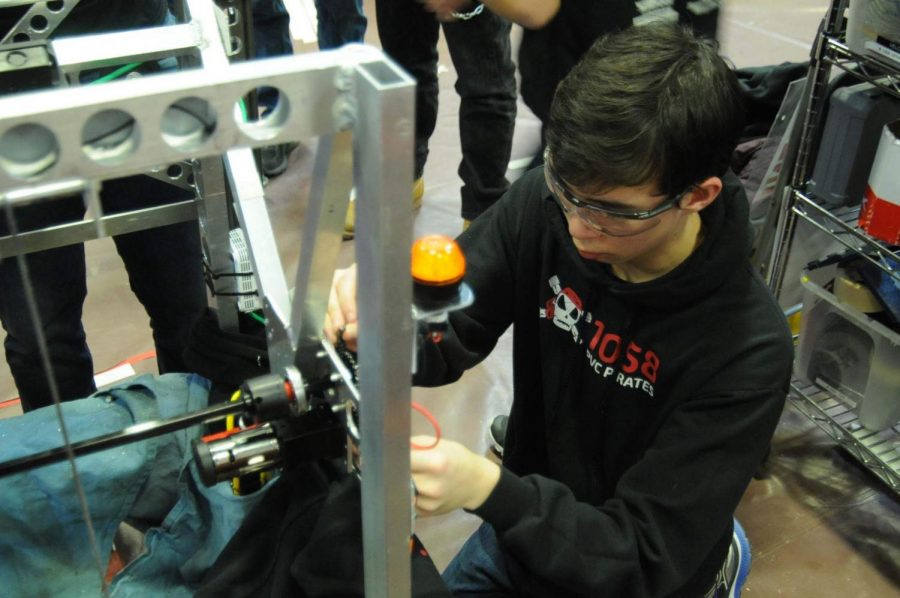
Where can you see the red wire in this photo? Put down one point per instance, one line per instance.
(434, 423)
(132, 360)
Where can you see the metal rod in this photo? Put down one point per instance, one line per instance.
(133, 433)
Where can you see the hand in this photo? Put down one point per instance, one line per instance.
(450, 476)
(342, 308)
(444, 9)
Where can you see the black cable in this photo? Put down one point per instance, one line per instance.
(119, 129)
(207, 127)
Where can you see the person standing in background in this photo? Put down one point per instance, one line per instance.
(164, 264)
(339, 22)
(480, 49)
(557, 33)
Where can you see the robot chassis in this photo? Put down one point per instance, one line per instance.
(186, 128)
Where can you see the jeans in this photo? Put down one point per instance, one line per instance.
(271, 29)
(480, 567)
(44, 547)
(340, 22)
(164, 270)
(480, 50)
(271, 37)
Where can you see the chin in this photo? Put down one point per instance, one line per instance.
(597, 256)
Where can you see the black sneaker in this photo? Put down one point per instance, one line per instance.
(498, 434)
(274, 159)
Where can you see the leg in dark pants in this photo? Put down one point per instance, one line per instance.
(57, 278)
(164, 270)
(165, 273)
(164, 266)
(340, 22)
(409, 35)
(480, 51)
(271, 37)
(487, 112)
(271, 29)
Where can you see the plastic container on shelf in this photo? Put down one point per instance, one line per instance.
(873, 28)
(842, 348)
(880, 213)
(856, 115)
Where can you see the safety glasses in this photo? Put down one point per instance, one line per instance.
(609, 220)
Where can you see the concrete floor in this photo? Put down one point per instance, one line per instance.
(819, 524)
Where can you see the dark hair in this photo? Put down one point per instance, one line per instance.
(651, 104)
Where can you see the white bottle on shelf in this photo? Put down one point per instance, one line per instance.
(880, 212)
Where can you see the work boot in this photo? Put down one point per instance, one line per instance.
(274, 160)
(418, 191)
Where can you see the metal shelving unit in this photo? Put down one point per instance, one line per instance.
(840, 224)
(834, 414)
(826, 406)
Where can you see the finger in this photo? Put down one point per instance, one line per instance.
(423, 440)
(431, 462)
(334, 321)
(420, 461)
(345, 289)
(351, 336)
(426, 486)
(330, 330)
(334, 311)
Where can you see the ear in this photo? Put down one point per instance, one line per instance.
(702, 194)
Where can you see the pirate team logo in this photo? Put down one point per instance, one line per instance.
(627, 362)
(565, 309)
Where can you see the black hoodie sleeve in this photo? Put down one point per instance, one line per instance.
(492, 252)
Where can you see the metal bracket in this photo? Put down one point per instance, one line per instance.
(39, 21)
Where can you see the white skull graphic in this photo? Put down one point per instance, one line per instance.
(567, 310)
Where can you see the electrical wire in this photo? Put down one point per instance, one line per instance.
(122, 70)
(264, 476)
(122, 127)
(229, 421)
(257, 317)
(133, 359)
(229, 425)
(208, 127)
(434, 423)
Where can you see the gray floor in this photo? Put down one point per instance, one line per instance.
(819, 524)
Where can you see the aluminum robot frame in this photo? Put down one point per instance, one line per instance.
(358, 104)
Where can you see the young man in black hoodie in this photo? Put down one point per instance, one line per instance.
(651, 363)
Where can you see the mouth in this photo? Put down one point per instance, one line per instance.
(588, 255)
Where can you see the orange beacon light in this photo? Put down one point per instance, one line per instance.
(437, 261)
(438, 267)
